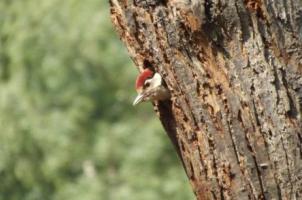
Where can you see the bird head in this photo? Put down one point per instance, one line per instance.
(150, 87)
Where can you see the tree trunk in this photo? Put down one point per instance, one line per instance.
(234, 69)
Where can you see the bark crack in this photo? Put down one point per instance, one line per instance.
(288, 167)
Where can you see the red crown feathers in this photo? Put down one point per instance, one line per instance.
(147, 73)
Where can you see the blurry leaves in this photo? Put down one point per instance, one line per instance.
(68, 129)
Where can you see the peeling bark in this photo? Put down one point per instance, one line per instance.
(234, 69)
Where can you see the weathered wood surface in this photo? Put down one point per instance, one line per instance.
(234, 69)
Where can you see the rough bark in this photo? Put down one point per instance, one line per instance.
(234, 69)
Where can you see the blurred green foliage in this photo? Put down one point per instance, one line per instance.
(68, 129)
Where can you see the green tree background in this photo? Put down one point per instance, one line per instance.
(68, 129)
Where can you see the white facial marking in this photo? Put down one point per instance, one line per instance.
(156, 81)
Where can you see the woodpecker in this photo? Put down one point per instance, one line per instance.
(150, 87)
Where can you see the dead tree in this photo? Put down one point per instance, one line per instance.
(234, 70)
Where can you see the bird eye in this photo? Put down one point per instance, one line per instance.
(147, 84)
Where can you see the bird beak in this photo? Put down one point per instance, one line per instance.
(139, 98)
